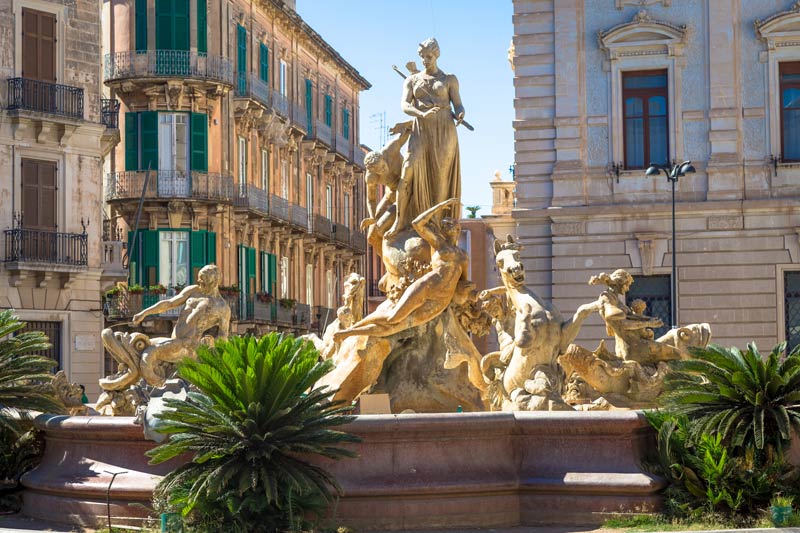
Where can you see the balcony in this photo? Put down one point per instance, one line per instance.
(358, 241)
(341, 234)
(121, 303)
(321, 226)
(112, 261)
(299, 118)
(324, 317)
(299, 216)
(251, 86)
(358, 157)
(280, 104)
(46, 247)
(182, 64)
(168, 185)
(44, 97)
(109, 113)
(322, 133)
(344, 147)
(253, 198)
(279, 208)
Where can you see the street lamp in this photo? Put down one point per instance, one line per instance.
(673, 173)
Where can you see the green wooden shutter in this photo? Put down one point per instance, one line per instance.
(172, 28)
(328, 108)
(211, 248)
(346, 123)
(263, 71)
(140, 20)
(309, 106)
(133, 259)
(132, 141)
(273, 274)
(251, 270)
(149, 136)
(164, 39)
(181, 24)
(202, 27)
(241, 58)
(263, 267)
(197, 253)
(199, 142)
(149, 257)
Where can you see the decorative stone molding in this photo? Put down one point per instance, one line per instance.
(247, 117)
(620, 4)
(645, 43)
(175, 211)
(650, 245)
(781, 35)
(732, 222)
(568, 228)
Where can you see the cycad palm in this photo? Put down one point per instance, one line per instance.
(250, 428)
(24, 376)
(748, 400)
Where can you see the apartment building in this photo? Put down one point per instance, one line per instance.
(239, 147)
(55, 129)
(604, 88)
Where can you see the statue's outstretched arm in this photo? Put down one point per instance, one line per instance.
(165, 305)
(421, 223)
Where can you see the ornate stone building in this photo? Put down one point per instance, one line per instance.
(54, 132)
(604, 88)
(239, 147)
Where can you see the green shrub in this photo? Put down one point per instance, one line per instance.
(252, 428)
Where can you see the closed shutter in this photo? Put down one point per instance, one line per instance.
(38, 45)
(199, 142)
(182, 24)
(241, 58)
(328, 110)
(272, 276)
(133, 257)
(164, 25)
(172, 27)
(211, 248)
(141, 25)
(131, 141)
(149, 140)
(263, 71)
(149, 257)
(202, 27)
(197, 253)
(309, 105)
(346, 123)
(263, 265)
(251, 270)
(39, 194)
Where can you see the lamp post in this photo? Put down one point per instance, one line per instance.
(672, 173)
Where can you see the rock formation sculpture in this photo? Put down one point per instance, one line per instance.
(141, 358)
(634, 374)
(524, 374)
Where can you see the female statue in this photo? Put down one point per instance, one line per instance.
(431, 170)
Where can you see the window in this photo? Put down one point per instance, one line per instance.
(141, 25)
(173, 258)
(328, 110)
(173, 145)
(655, 292)
(284, 277)
(269, 272)
(39, 188)
(53, 332)
(263, 62)
(791, 300)
(310, 285)
(38, 45)
(282, 81)
(347, 209)
(346, 123)
(241, 60)
(644, 96)
(242, 167)
(285, 179)
(173, 142)
(329, 288)
(309, 105)
(329, 202)
(172, 26)
(265, 171)
(790, 111)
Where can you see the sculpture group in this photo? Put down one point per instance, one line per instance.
(416, 345)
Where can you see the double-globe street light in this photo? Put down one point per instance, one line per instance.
(673, 173)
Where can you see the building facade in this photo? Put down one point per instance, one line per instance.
(606, 87)
(239, 147)
(54, 131)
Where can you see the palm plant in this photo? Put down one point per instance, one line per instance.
(24, 376)
(749, 400)
(252, 427)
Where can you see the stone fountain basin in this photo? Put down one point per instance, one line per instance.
(413, 471)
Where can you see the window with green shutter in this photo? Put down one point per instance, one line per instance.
(211, 248)
(131, 141)
(272, 275)
(251, 270)
(140, 21)
(198, 254)
(328, 110)
(346, 123)
(148, 133)
(309, 106)
(241, 59)
(199, 142)
(149, 261)
(172, 29)
(202, 27)
(263, 56)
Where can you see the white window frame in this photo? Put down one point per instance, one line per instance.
(329, 202)
(172, 238)
(310, 285)
(242, 165)
(284, 277)
(282, 77)
(168, 156)
(347, 209)
(265, 168)
(329, 289)
(285, 179)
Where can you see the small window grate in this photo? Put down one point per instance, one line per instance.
(655, 292)
(791, 300)
(53, 332)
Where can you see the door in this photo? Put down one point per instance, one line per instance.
(37, 241)
(38, 63)
(173, 155)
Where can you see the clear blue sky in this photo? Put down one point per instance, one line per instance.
(474, 36)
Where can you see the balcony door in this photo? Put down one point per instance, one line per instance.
(173, 155)
(38, 45)
(39, 194)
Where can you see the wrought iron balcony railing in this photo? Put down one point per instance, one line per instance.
(358, 156)
(280, 104)
(44, 246)
(168, 184)
(279, 208)
(109, 113)
(358, 241)
(250, 85)
(299, 215)
(341, 233)
(45, 97)
(321, 226)
(321, 132)
(299, 117)
(168, 64)
(251, 197)
(344, 146)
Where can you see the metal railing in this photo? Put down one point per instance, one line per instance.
(302, 316)
(321, 226)
(170, 184)
(344, 146)
(358, 241)
(299, 215)
(373, 290)
(109, 113)
(113, 252)
(324, 316)
(322, 132)
(45, 97)
(168, 63)
(299, 118)
(249, 85)
(252, 197)
(279, 208)
(358, 156)
(341, 233)
(280, 104)
(45, 246)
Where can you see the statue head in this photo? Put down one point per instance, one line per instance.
(451, 229)
(618, 281)
(375, 163)
(208, 277)
(428, 50)
(512, 272)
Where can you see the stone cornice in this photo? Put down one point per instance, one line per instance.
(768, 25)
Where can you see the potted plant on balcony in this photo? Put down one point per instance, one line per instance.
(178, 287)
(287, 303)
(157, 289)
(135, 289)
(264, 297)
(228, 290)
(135, 296)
